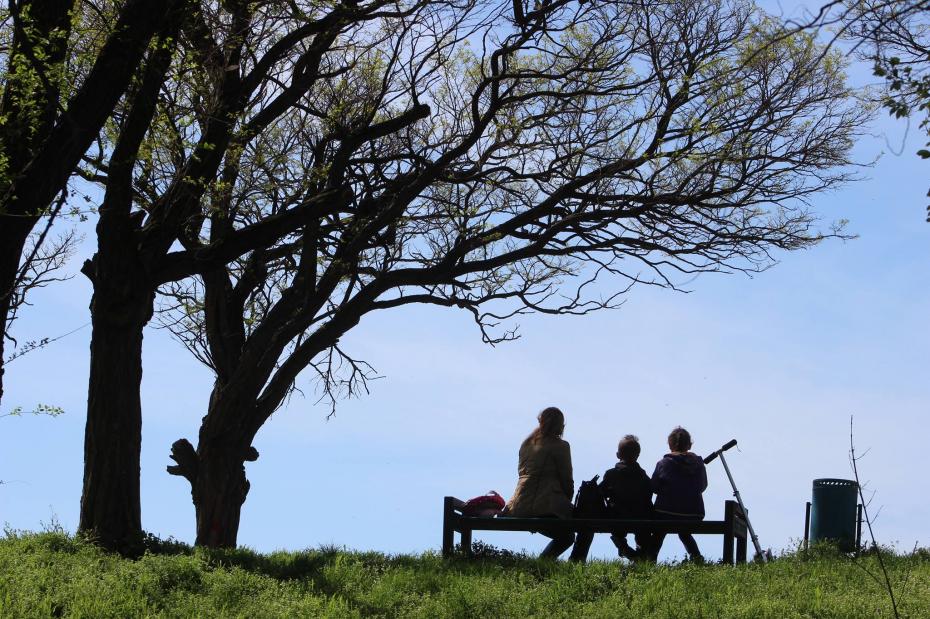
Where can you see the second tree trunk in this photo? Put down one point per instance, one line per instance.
(219, 490)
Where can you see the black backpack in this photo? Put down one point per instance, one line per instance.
(589, 502)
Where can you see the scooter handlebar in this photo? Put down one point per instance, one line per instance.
(714, 455)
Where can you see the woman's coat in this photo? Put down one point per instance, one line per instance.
(545, 486)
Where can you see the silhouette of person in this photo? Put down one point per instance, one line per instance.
(545, 485)
(678, 481)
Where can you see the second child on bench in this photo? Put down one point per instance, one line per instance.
(678, 481)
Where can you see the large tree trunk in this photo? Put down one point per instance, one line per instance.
(122, 304)
(110, 505)
(13, 234)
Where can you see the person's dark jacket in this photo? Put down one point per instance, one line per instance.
(678, 481)
(628, 491)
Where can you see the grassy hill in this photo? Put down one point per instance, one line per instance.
(55, 575)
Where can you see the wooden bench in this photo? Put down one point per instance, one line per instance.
(732, 527)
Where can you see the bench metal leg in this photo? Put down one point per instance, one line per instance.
(728, 548)
(741, 544)
(728, 534)
(448, 526)
(807, 524)
(466, 542)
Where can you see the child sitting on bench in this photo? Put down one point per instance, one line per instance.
(678, 481)
(628, 492)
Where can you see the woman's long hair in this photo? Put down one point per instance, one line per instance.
(551, 423)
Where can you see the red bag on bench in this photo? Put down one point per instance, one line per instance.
(487, 505)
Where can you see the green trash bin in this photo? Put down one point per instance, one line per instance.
(834, 512)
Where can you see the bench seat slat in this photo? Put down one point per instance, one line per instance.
(599, 525)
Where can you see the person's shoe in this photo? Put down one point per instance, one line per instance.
(578, 557)
(628, 553)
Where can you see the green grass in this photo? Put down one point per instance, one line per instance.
(52, 575)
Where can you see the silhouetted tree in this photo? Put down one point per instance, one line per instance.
(171, 152)
(499, 158)
(63, 66)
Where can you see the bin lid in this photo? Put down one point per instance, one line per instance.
(830, 481)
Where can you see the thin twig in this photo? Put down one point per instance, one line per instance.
(45, 341)
(869, 573)
(910, 569)
(24, 269)
(868, 521)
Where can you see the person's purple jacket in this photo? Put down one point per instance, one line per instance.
(678, 481)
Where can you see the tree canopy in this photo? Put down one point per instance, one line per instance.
(895, 37)
(485, 156)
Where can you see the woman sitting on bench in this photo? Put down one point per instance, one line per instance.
(545, 486)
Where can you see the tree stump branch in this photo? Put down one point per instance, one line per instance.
(184, 454)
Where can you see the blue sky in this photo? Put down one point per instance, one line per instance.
(779, 361)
